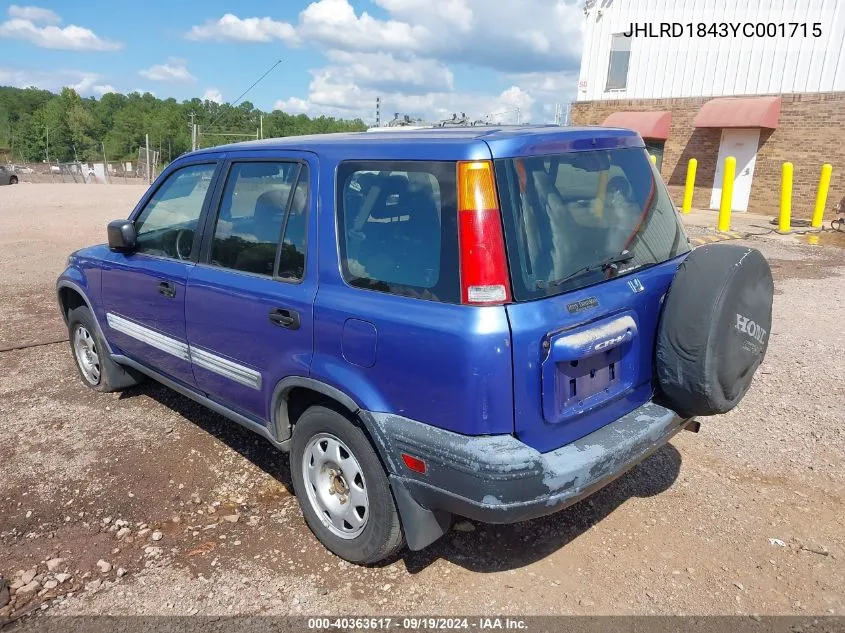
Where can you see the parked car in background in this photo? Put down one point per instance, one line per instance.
(483, 322)
(7, 176)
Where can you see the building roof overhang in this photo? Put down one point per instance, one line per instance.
(762, 112)
(653, 125)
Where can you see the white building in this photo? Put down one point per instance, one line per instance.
(761, 80)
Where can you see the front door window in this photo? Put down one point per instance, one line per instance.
(167, 225)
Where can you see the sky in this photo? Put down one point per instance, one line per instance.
(424, 58)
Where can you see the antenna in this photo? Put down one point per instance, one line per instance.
(243, 94)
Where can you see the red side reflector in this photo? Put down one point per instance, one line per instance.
(414, 463)
(484, 265)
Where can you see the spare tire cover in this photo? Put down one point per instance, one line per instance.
(714, 329)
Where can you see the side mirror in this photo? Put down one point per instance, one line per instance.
(121, 235)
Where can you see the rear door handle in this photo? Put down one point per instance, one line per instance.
(285, 318)
(167, 289)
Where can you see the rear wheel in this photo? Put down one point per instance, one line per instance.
(13, 180)
(96, 367)
(343, 489)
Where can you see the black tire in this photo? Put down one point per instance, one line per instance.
(382, 536)
(112, 377)
(714, 329)
(13, 180)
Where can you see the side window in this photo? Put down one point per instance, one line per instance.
(399, 228)
(166, 226)
(252, 209)
(620, 58)
(292, 254)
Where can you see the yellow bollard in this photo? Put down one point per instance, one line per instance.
(821, 196)
(601, 194)
(784, 220)
(728, 174)
(690, 186)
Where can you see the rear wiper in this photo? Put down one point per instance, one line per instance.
(609, 262)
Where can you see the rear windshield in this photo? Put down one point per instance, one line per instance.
(565, 215)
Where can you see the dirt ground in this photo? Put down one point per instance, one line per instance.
(146, 503)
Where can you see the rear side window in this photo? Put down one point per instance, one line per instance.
(252, 217)
(398, 228)
(566, 214)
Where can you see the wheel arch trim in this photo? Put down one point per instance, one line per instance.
(66, 283)
(283, 429)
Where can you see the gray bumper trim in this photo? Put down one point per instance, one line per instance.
(498, 479)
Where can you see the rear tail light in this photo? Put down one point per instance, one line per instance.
(484, 265)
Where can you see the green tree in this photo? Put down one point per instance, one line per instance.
(79, 127)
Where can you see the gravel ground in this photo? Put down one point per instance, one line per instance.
(146, 503)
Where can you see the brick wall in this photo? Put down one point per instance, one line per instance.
(810, 133)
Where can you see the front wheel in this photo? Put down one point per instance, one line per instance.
(91, 354)
(343, 489)
(13, 180)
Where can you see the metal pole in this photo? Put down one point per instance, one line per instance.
(821, 196)
(689, 188)
(261, 125)
(726, 202)
(147, 141)
(105, 164)
(785, 216)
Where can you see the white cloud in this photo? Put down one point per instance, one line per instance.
(526, 36)
(383, 71)
(231, 27)
(22, 26)
(327, 95)
(212, 94)
(85, 83)
(334, 23)
(292, 105)
(34, 14)
(415, 56)
(174, 70)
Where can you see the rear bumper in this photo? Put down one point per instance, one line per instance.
(498, 479)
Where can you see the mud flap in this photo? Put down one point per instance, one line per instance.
(422, 526)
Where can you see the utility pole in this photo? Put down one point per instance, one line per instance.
(105, 164)
(378, 111)
(47, 151)
(193, 132)
(147, 143)
(518, 114)
(261, 125)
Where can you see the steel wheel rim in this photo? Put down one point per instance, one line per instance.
(335, 486)
(85, 352)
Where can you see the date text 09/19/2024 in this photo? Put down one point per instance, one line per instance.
(417, 623)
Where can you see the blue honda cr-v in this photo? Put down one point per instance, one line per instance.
(471, 321)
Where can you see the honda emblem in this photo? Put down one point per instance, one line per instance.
(635, 285)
